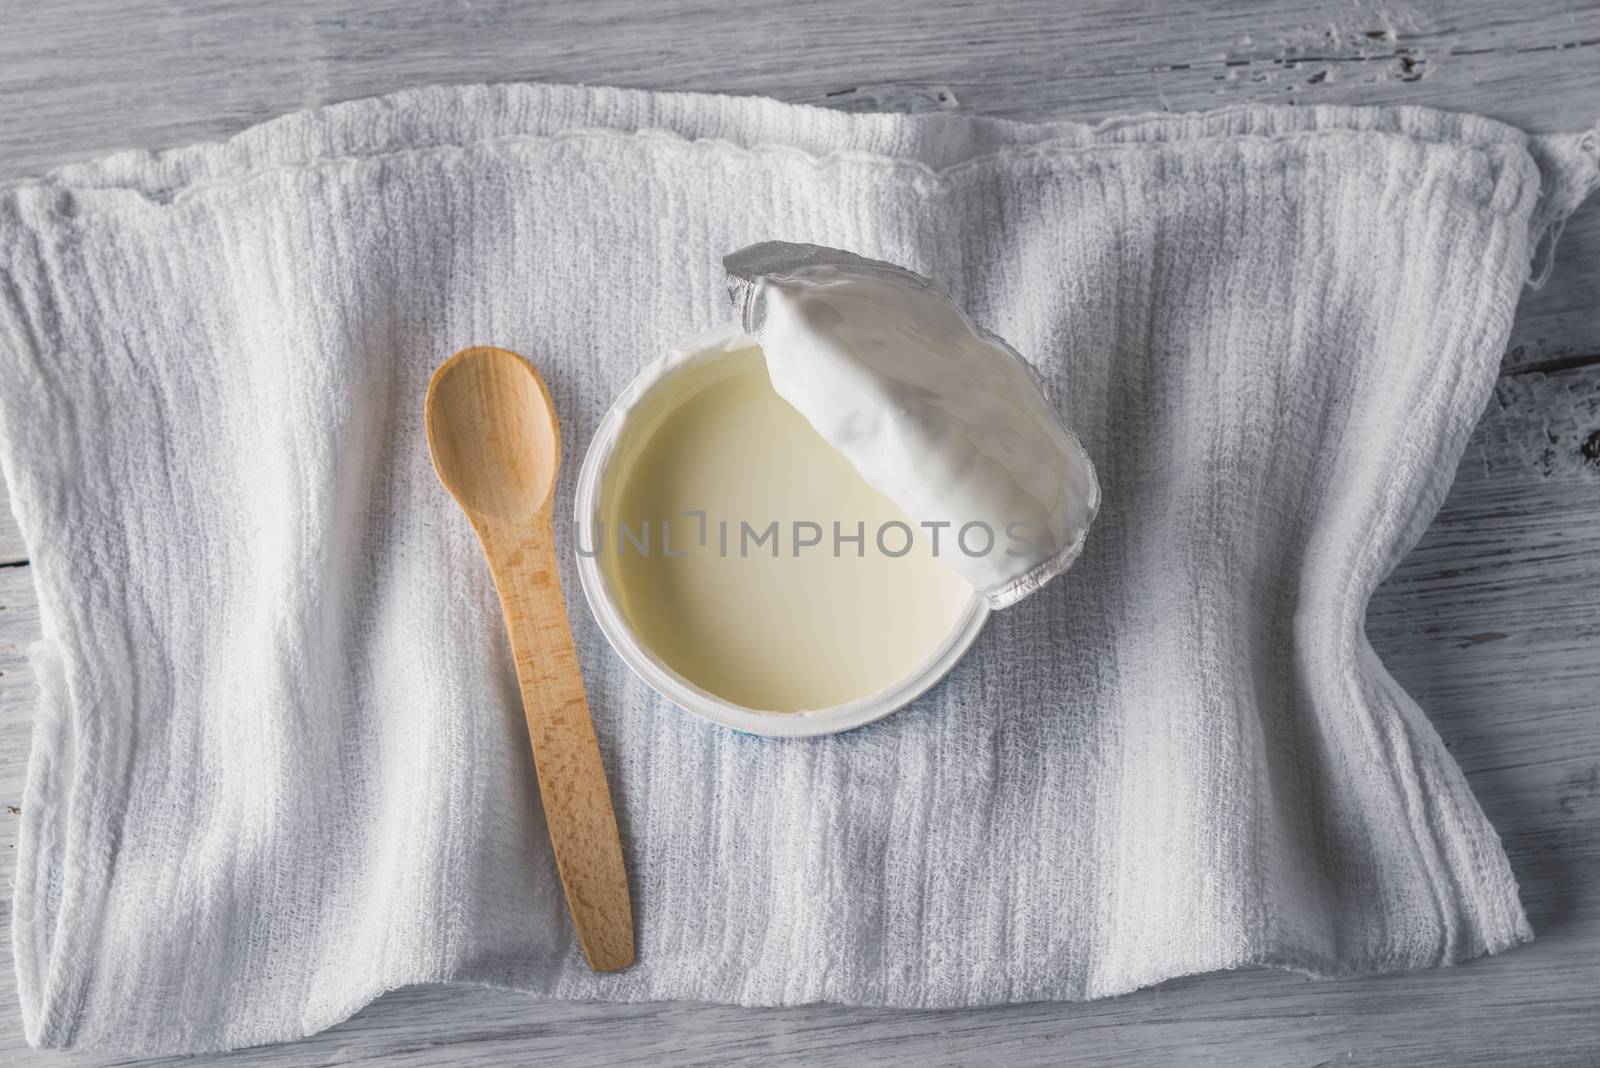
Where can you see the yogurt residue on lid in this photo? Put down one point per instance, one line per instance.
(946, 420)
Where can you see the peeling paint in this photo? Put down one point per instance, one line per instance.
(1590, 450)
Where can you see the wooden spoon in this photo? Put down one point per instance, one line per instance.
(496, 446)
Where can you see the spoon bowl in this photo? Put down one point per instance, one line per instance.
(493, 433)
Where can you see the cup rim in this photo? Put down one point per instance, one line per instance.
(654, 671)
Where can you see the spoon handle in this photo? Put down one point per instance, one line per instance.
(566, 757)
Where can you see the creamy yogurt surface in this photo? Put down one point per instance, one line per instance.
(720, 536)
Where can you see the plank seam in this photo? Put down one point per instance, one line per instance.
(1562, 363)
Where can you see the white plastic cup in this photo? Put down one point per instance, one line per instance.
(597, 586)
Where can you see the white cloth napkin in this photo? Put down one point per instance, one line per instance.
(279, 765)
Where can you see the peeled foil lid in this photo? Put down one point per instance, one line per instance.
(945, 419)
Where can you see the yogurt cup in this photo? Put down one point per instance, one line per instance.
(853, 394)
(905, 648)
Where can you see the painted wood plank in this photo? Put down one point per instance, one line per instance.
(163, 76)
(1490, 623)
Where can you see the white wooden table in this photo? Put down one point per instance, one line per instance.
(1493, 623)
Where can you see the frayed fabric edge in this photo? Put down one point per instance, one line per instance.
(1569, 168)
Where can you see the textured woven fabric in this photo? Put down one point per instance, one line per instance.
(279, 764)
